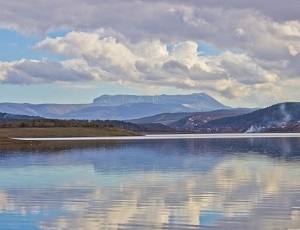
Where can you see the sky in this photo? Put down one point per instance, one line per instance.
(242, 53)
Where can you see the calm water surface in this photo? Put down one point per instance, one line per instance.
(251, 183)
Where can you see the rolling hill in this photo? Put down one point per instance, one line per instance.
(283, 117)
(23, 121)
(7, 117)
(162, 118)
(195, 120)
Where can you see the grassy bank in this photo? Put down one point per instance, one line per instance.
(8, 144)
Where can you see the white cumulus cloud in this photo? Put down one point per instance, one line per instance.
(151, 43)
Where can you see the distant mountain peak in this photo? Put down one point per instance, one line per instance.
(120, 107)
(195, 101)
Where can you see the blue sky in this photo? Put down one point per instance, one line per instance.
(242, 53)
(16, 46)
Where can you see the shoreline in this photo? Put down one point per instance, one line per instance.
(49, 139)
(8, 143)
(169, 136)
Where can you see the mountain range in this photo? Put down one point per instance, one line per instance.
(118, 107)
(283, 117)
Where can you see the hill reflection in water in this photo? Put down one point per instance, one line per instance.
(155, 184)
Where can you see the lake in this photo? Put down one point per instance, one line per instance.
(179, 183)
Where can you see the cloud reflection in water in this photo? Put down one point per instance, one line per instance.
(253, 184)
